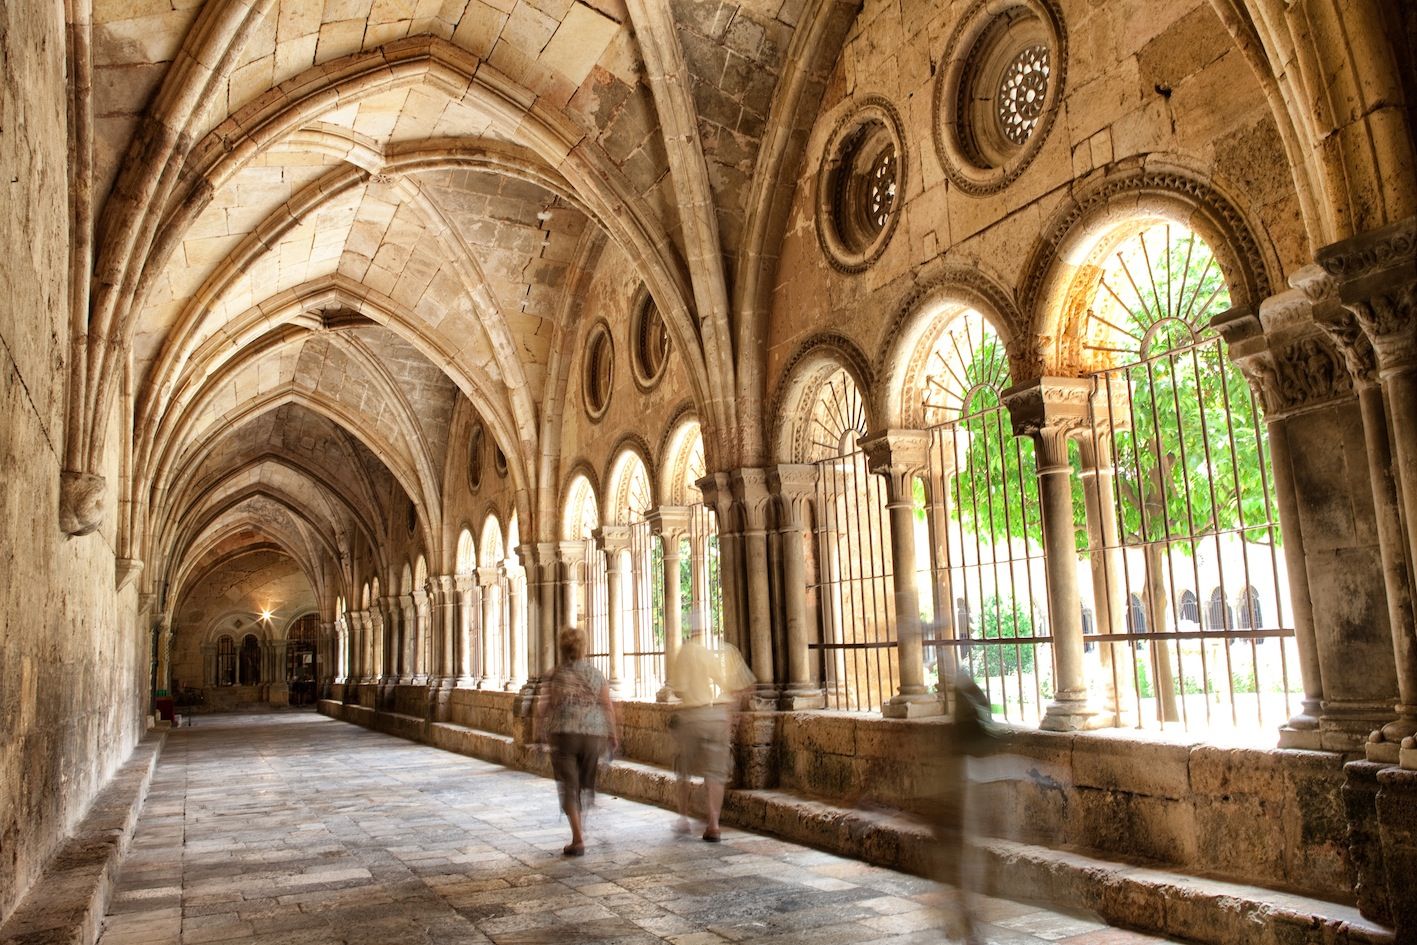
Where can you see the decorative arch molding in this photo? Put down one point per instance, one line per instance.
(816, 359)
(491, 541)
(1062, 271)
(922, 316)
(614, 477)
(222, 626)
(581, 469)
(673, 454)
(547, 524)
(416, 478)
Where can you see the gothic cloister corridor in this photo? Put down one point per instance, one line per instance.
(291, 829)
(849, 387)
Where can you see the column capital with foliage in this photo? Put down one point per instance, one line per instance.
(1376, 278)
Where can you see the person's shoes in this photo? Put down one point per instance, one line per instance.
(573, 849)
(712, 836)
(681, 826)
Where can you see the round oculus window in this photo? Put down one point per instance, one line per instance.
(599, 371)
(476, 456)
(860, 186)
(997, 94)
(651, 337)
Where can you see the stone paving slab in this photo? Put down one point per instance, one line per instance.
(274, 829)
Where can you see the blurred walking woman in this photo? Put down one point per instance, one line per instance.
(577, 718)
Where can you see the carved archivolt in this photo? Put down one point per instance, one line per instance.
(1058, 279)
(815, 361)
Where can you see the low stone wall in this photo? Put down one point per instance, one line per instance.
(1266, 817)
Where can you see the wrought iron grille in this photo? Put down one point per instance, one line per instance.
(644, 642)
(988, 594)
(856, 603)
(1192, 551)
(595, 621)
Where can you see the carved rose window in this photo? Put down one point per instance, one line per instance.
(1019, 100)
(858, 192)
(997, 93)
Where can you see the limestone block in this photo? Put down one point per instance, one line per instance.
(1136, 824)
(1150, 768)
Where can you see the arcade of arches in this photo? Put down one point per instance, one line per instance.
(351, 349)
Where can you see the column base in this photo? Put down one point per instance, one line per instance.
(1385, 744)
(913, 706)
(525, 703)
(1302, 739)
(665, 694)
(491, 683)
(1407, 754)
(465, 682)
(1067, 714)
(801, 698)
(1346, 726)
(763, 698)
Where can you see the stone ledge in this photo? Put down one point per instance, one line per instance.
(66, 904)
(1135, 895)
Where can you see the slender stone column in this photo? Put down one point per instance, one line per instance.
(937, 521)
(326, 658)
(469, 607)
(1104, 555)
(671, 526)
(1050, 411)
(548, 561)
(360, 638)
(516, 624)
(900, 456)
(490, 676)
(614, 542)
(163, 681)
(1331, 535)
(409, 635)
(422, 631)
(1376, 277)
(209, 665)
(795, 488)
(444, 615)
(716, 488)
(278, 688)
(388, 640)
(754, 505)
(575, 583)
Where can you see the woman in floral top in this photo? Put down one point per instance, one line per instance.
(579, 717)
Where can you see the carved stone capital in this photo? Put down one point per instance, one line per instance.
(466, 582)
(489, 575)
(670, 523)
(750, 492)
(1051, 410)
(1376, 276)
(899, 456)
(1290, 362)
(715, 489)
(81, 498)
(795, 486)
(613, 539)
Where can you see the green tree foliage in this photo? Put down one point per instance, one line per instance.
(1003, 618)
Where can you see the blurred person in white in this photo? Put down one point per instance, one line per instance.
(707, 679)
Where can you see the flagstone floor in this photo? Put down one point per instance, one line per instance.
(294, 829)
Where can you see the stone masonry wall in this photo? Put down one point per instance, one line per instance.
(75, 662)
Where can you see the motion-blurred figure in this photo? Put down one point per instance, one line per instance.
(972, 735)
(707, 682)
(577, 718)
